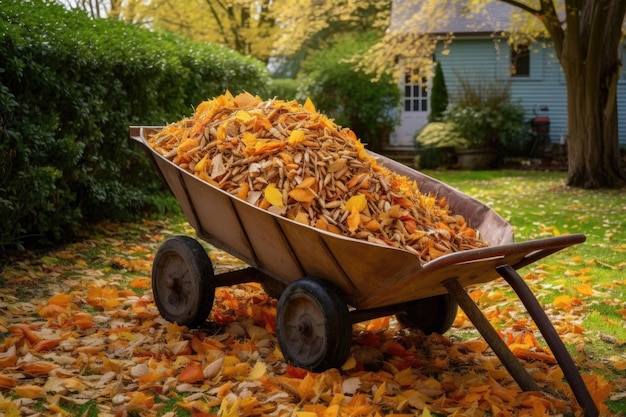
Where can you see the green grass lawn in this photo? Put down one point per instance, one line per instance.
(583, 286)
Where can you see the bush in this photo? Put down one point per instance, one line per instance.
(348, 95)
(283, 88)
(69, 88)
(438, 95)
(440, 135)
(484, 114)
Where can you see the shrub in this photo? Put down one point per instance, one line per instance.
(348, 95)
(69, 88)
(438, 95)
(484, 114)
(441, 135)
(283, 88)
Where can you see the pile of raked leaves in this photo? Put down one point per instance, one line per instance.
(296, 162)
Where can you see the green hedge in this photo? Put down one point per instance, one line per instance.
(69, 89)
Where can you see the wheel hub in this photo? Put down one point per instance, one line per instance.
(305, 328)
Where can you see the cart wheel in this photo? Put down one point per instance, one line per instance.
(313, 325)
(183, 282)
(430, 315)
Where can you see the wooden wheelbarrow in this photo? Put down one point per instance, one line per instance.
(326, 282)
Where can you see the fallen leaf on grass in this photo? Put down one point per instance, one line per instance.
(97, 340)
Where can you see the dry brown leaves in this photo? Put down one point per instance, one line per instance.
(81, 336)
(291, 160)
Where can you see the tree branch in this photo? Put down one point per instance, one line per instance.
(523, 6)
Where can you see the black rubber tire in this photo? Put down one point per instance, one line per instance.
(313, 325)
(183, 282)
(430, 315)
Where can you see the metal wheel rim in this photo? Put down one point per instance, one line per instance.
(176, 285)
(304, 329)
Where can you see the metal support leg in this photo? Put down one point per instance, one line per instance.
(502, 351)
(552, 339)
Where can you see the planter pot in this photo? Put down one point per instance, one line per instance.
(475, 159)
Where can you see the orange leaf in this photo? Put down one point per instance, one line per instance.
(585, 289)
(26, 331)
(61, 299)
(7, 381)
(8, 359)
(294, 372)
(38, 367)
(140, 283)
(51, 310)
(29, 391)
(302, 195)
(83, 321)
(354, 219)
(192, 373)
(44, 344)
(242, 193)
(246, 99)
(378, 324)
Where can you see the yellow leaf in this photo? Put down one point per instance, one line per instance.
(378, 395)
(202, 164)
(258, 371)
(12, 411)
(243, 116)
(248, 139)
(585, 289)
(349, 364)
(273, 195)
(296, 137)
(356, 202)
(309, 106)
(332, 411)
(81, 262)
(562, 301)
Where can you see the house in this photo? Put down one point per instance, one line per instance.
(478, 50)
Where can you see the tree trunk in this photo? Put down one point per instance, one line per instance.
(593, 148)
(590, 61)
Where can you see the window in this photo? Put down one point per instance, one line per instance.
(415, 94)
(520, 61)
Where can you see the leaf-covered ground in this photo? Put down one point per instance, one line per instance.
(80, 334)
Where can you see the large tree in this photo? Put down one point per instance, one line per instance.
(587, 41)
(586, 35)
(261, 28)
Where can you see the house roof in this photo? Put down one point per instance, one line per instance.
(491, 18)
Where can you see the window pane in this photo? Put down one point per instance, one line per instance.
(416, 91)
(424, 105)
(416, 105)
(520, 61)
(407, 105)
(407, 91)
